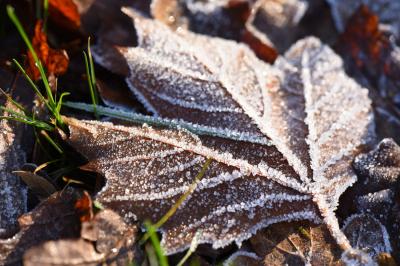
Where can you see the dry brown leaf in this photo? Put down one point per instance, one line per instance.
(273, 22)
(105, 239)
(296, 244)
(387, 10)
(374, 62)
(54, 61)
(54, 218)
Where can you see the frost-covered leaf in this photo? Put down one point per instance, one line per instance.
(12, 192)
(367, 234)
(380, 168)
(296, 244)
(387, 10)
(302, 111)
(233, 194)
(243, 258)
(274, 21)
(377, 189)
(54, 218)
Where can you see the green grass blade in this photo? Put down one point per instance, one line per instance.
(92, 72)
(35, 88)
(162, 259)
(51, 141)
(16, 104)
(90, 84)
(45, 14)
(60, 101)
(24, 36)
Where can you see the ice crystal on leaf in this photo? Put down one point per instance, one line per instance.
(314, 115)
(12, 192)
(367, 234)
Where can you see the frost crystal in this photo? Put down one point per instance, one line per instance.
(315, 116)
(367, 234)
(12, 193)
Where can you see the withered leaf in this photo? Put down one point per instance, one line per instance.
(273, 22)
(55, 61)
(367, 234)
(105, 239)
(296, 244)
(65, 14)
(12, 192)
(387, 10)
(54, 218)
(374, 62)
(305, 107)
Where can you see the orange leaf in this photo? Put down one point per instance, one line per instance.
(83, 206)
(55, 61)
(65, 14)
(363, 40)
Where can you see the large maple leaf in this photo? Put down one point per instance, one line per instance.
(310, 116)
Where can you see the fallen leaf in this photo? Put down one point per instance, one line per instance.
(65, 14)
(12, 192)
(367, 234)
(300, 113)
(298, 243)
(83, 206)
(243, 258)
(52, 219)
(374, 62)
(273, 22)
(111, 28)
(387, 10)
(376, 193)
(105, 239)
(38, 184)
(380, 168)
(54, 61)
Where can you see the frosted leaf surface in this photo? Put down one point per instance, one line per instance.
(380, 168)
(148, 169)
(306, 119)
(367, 234)
(12, 192)
(387, 10)
(305, 106)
